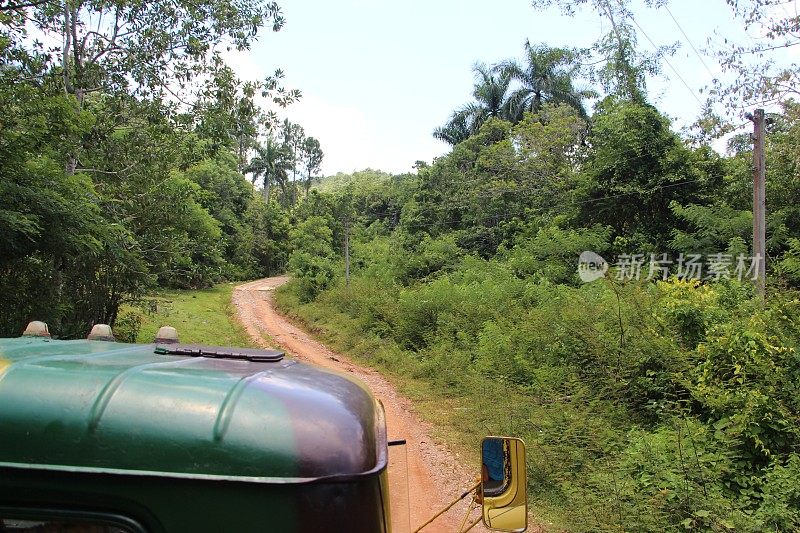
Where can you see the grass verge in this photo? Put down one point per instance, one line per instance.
(200, 316)
(460, 415)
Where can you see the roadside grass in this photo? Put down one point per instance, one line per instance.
(460, 415)
(623, 393)
(341, 333)
(201, 316)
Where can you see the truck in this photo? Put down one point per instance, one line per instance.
(101, 436)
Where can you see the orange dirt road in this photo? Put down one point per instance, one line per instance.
(435, 478)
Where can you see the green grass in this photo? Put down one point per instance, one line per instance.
(460, 418)
(200, 316)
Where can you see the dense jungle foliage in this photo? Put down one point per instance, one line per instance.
(647, 405)
(656, 398)
(662, 399)
(125, 156)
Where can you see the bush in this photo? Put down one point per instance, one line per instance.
(652, 406)
(128, 324)
(312, 260)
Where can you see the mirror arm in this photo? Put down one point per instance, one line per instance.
(475, 523)
(440, 513)
(469, 512)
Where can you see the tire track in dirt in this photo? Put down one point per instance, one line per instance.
(435, 478)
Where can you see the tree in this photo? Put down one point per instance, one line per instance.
(293, 137)
(312, 260)
(491, 100)
(227, 114)
(146, 48)
(273, 161)
(49, 220)
(623, 71)
(268, 245)
(546, 76)
(227, 196)
(312, 160)
(760, 72)
(491, 92)
(113, 182)
(623, 67)
(458, 128)
(637, 167)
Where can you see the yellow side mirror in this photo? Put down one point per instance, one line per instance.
(504, 484)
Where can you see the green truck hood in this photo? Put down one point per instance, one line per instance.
(102, 406)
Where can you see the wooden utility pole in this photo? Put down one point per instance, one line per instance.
(347, 251)
(759, 202)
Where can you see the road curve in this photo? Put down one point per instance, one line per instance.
(435, 478)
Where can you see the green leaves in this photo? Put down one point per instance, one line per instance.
(636, 168)
(313, 260)
(510, 89)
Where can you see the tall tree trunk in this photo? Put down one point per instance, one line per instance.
(72, 161)
(294, 172)
(628, 77)
(241, 153)
(266, 189)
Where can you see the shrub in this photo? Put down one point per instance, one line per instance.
(129, 322)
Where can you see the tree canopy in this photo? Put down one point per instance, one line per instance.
(123, 154)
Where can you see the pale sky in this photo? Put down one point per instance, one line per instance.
(378, 76)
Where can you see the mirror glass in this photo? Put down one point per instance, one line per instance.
(504, 484)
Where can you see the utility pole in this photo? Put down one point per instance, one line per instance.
(347, 251)
(759, 202)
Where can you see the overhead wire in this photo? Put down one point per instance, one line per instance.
(511, 216)
(690, 42)
(629, 15)
(646, 150)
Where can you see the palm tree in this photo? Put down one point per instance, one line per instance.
(490, 92)
(458, 128)
(545, 76)
(273, 161)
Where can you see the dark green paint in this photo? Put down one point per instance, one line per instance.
(187, 443)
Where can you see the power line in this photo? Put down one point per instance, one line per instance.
(634, 154)
(509, 216)
(690, 42)
(629, 15)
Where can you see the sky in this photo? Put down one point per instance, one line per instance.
(377, 76)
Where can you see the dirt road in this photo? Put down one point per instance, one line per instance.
(434, 477)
